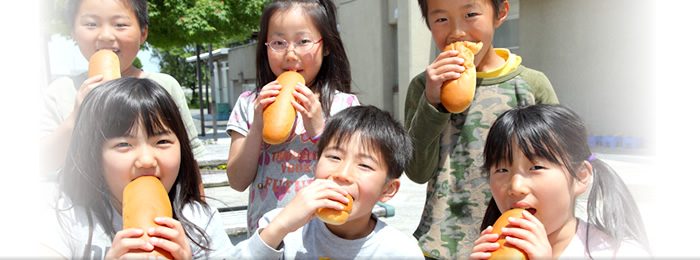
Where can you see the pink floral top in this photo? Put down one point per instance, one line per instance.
(285, 168)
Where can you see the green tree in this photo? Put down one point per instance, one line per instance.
(173, 62)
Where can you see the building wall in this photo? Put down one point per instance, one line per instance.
(599, 56)
(370, 43)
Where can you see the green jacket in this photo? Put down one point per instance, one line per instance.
(448, 155)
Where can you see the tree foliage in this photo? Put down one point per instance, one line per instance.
(173, 62)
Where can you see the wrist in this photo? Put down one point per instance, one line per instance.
(317, 137)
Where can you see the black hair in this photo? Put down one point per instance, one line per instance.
(496, 4)
(378, 132)
(112, 109)
(140, 8)
(334, 73)
(557, 134)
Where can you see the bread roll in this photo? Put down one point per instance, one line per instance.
(278, 117)
(335, 217)
(456, 95)
(144, 199)
(506, 251)
(104, 62)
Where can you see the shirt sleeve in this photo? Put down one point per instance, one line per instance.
(242, 113)
(424, 124)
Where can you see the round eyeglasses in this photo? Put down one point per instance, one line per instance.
(303, 45)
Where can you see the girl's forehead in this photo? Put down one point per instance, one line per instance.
(291, 22)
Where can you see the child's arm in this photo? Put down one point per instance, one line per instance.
(242, 164)
(54, 147)
(425, 118)
(308, 105)
(302, 208)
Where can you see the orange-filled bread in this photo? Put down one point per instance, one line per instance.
(278, 117)
(104, 62)
(144, 199)
(506, 251)
(335, 217)
(457, 95)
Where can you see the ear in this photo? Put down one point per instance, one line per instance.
(502, 13)
(144, 34)
(390, 189)
(584, 178)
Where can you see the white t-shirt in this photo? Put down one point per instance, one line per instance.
(600, 246)
(315, 241)
(285, 168)
(70, 240)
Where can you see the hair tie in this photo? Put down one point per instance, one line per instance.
(591, 158)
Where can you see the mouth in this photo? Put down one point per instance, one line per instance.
(294, 69)
(531, 210)
(113, 50)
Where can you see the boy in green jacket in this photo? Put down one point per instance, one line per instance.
(447, 146)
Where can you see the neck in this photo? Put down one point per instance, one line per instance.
(354, 229)
(561, 238)
(132, 71)
(490, 61)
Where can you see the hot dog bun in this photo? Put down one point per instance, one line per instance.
(456, 95)
(335, 217)
(278, 117)
(104, 62)
(144, 199)
(506, 251)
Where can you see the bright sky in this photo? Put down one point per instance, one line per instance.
(65, 57)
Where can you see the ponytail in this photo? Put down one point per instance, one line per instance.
(611, 207)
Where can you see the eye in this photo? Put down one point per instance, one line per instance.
(500, 170)
(120, 25)
(122, 145)
(333, 157)
(440, 20)
(537, 167)
(164, 141)
(303, 42)
(90, 24)
(278, 43)
(470, 15)
(366, 167)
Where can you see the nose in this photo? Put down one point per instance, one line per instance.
(456, 31)
(518, 185)
(146, 158)
(106, 33)
(290, 53)
(344, 174)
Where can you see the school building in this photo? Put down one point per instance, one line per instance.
(598, 55)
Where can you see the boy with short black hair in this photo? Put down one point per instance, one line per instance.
(363, 153)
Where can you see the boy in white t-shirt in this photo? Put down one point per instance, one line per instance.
(363, 153)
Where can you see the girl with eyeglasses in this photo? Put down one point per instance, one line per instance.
(300, 36)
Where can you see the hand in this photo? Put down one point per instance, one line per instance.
(265, 97)
(302, 208)
(529, 235)
(171, 237)
(85, 88)
(485, 244)
(447, 66)
(307, 103)
(125, 240)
